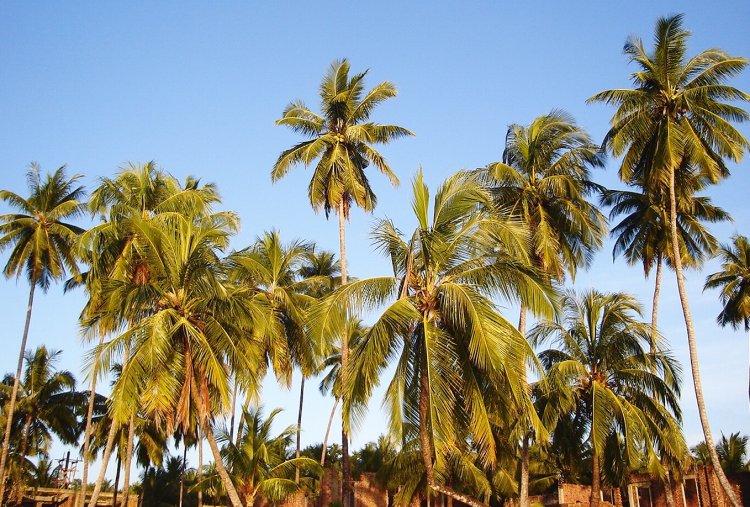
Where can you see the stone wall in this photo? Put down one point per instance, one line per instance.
(46, 497)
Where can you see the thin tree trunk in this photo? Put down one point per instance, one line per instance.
(299, 425)
(105, 461)
(668, 490)
(242, 419)
(424, 437)
(184, 469)
(117, 480)
(328, 431)
(523, 494)
(81, 500)
(346, 470)
(128, 461)
(655, 304)
(694, 367)
(234, 407)
(200, 467)
(25, 439)
(14, 393)
(205, 425)
(595, 480)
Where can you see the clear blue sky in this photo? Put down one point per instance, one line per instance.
(197, 86)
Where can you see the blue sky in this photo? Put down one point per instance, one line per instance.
(197, 86)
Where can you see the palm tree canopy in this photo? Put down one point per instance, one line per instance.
(644, 233)
(40, 238)
(442, 323)
(734, 282)
(602, 354)
(340, 139)
(544, 179)
(679, 108)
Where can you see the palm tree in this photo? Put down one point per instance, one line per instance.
(189, 328)
(619, 387)
(138, 192)
(733, 453)
(642, 236)
(734, 282)
(678, 111)
(454, 350)
(544, 180)
(258, 464)
(41, 242)
(340, 139)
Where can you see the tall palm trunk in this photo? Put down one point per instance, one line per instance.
(694, 368)
(666, 482)
(206, 430)
(346, 469)
(200, 467)
(234, 408)
(424, 438)
(299, 425)
(184, 469)
(81, 499)
(14, 393)
(523, 494)
(117, 480)
(328, 432)
(128, 461)
(105, 461)
(595, 498)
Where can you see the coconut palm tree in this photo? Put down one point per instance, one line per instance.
(41, 242)
(454, 349)
(138, 192)
(258, 464)
(189, 328)
(620, 388)
(544, 180)
(678, 110)
(733, 452)
(341, 139)
(734, 282)
(642, 236)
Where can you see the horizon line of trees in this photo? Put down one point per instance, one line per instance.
(186, 329)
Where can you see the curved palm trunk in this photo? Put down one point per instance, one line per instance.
(14, 393)
(694, 367)
(328, 432)
(206, 430)
(424, 438)
(234, 408)
(299, 425)
(128, 461)
(184, 469)
(595, 498)
(81, 499)
(346, 469)
(666, 482)
(523, 493)
(105, 461)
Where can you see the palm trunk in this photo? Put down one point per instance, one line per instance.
(655, 304)
(200, 467)
(234, 407)
(595, 480)
(206, 429)
(117, 480)
(184, 469)
(694, 367)
(25, 438)
(346, 469)
(128, 461)
(424, 437)
(81, 500)
(14, 393)
(328, 432)
(299, 425)
(668, 490)
(523, 493)
(105, 461)
(242, 419)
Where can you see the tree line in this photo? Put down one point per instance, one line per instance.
(480, 408)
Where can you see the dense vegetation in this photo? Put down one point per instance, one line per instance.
(480, 411)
